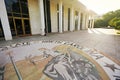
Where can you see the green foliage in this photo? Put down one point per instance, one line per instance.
(117, 23)
(112, 22)
(99, 23)
(117, 13)
(109, 19)
(117, 27)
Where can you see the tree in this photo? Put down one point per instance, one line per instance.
(117, 23)
(99, 23)
(111, 18)
(107, 17)
(112, 22)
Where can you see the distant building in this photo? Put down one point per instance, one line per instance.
(32, 17)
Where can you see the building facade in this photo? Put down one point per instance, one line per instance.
(32, 17)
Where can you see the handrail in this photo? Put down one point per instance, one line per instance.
(15, 67)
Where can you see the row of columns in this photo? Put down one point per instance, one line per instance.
(84, 22)
(6, 26)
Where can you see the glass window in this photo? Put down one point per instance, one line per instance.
(8, 5)
(16, 6)
(19, 27)
(12, 26)
(17, 14)
(24, 6)
(17, 10)
(12, 6)
(27, 27)
(25, 16)
(9, 14)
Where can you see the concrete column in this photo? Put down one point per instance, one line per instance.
(71, 19)
(92, 23)
(42, 19)
(83, 22)
(87, 21)
(60, 16)
(4, 21)
(78, 21)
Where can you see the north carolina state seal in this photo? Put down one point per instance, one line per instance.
(56, 60)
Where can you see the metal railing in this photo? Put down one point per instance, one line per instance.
(15, 67)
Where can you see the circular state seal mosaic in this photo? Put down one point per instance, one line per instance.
(55, 60)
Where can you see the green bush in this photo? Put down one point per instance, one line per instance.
(118, 23)
(113, 21)
(99, 23)
(117, 27)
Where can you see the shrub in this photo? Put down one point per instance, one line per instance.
(117, 25)
(113, 21)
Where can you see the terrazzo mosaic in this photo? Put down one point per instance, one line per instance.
(55, 60)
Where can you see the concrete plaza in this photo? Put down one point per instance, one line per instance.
(104, 40)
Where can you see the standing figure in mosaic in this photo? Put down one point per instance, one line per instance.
(59, 69)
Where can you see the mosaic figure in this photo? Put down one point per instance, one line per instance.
(70, 66)
(59, 69)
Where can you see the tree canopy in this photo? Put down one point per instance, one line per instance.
(111, 18)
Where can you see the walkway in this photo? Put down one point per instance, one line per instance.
(104, 40)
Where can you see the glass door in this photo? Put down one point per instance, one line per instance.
(22, 26)
(12, 27)
(19, 28)
(17, 11)
(26, 26)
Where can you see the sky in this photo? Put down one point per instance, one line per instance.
(101, 6)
